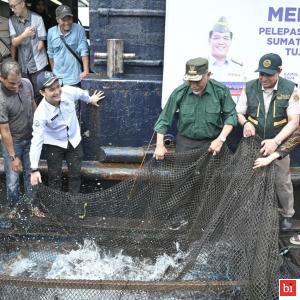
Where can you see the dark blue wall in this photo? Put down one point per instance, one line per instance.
(125, 117)
(133, 99)
(140, 23)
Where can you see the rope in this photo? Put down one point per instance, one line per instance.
(141, 165)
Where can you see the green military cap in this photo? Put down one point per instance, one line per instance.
(221, 26)
(195, 68)
(269, 64)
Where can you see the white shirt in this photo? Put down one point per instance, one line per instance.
(56, 125)
(231, 73)
(293, 105)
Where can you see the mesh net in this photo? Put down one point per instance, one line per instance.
(222, 213)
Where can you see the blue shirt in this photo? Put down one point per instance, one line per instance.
(66, 66)
(56, 125)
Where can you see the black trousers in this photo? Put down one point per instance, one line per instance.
(73, 156)
(184, 144)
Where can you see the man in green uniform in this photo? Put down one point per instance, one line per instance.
(206, 112)
(270, 108)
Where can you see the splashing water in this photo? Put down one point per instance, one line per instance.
(92, 263)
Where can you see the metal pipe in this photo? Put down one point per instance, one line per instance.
(144, 62)
(123, 154)
(107, 12)
(103, 55)
(120, 171)
(169, 139)
(108, 171)
(134, 62)
(94, 170)
(129, 55)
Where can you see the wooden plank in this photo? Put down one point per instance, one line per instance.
(162, 286)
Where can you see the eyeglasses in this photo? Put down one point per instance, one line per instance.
(13, 6)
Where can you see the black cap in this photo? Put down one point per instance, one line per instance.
(63, 11)
(269, 64)
(45, 79)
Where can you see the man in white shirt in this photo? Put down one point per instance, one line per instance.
(224, 68)
(55, 125)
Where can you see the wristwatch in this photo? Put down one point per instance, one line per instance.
(222, 138)
(34, 170)
(12, 157)
(277, 141)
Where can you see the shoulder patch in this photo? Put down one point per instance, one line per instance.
(236, 61)
(296, 95)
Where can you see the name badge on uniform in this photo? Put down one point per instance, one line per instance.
(283, 97)
(54, 117)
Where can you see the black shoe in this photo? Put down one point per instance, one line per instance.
(286, 223)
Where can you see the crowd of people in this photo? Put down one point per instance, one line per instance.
(39, 92)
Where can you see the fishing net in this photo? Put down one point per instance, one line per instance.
(220, 213)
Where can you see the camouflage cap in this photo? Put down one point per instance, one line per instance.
(269, 64)
(195, 68)
(221, 26)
